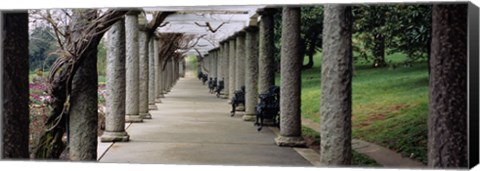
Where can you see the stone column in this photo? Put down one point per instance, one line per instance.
(158, 73)
(214, 63)
(175, 71)
(219, 63)
(164, 76)
(336, 98)
(169, 75)
(251, 73)
(266, 64)
(172, 74)
(144, 76)
(451, 139)
(240, 60)
(231, 67)
(226, 67)
(290, 121)
(151, 75)
(206, 65)
(115, 116)
(182, 68)
(14, 59)
(132, 68)
(166, 72)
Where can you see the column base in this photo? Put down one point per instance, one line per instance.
(240, 108)
(152, 107)
(146, 115)
(133, 118)
(290, 141)
(249, 117)
(158, 100)
(114, 137)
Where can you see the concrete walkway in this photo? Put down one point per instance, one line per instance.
(194, 127)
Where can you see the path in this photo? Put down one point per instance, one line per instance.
(382, 155)
(194, 127)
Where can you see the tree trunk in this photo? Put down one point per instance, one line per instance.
(336, 98)
(15, 117)
(311, 51)
(83, 121)
(447, 120)
(50, 143)
(379, 51)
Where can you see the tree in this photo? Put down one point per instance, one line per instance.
(311, 32)
(15, 115)
(102, 59)
(370, 22)
(390, 29)
(447, 119)
(410, 28)
(41, 47)
(73, 53)
(83, 112)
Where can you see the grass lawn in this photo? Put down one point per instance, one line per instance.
(389, 105)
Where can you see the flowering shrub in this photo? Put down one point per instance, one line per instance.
(39, 110)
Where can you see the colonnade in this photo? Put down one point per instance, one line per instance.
(137, 77)
(246, 59)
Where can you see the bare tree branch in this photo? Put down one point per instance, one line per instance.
(207, 24)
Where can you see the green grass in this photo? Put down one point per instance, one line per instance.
(357, 158)
(102, 79)
(389, 105)
(363, 160)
